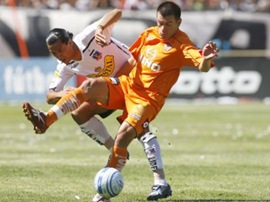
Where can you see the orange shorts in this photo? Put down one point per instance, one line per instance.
(139, 106)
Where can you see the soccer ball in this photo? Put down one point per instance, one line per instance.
(109, 182)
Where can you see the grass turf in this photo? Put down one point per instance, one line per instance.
(210, 152)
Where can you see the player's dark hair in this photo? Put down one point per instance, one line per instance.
(58, 33)
(168, 8)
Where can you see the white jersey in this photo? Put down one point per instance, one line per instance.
(96, 61)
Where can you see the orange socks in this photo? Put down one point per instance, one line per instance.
(66, 104)
(118, 158)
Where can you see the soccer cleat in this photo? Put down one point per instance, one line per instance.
(99, 198)
(37, 118)
(159, 191)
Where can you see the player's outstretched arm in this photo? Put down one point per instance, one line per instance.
(110, 18)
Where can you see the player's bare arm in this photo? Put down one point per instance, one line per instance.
(106, 21)
(128, 66)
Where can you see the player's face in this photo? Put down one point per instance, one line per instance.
(62, 51)
(167, 26)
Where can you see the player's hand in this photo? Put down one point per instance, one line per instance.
(100, 38)
(210, 51)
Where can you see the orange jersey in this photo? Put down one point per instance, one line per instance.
(142, 94)
(159, 61)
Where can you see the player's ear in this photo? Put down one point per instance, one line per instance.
(179, 22)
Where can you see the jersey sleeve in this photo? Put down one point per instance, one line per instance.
(136, 47)
(192, 56)
(60, 78)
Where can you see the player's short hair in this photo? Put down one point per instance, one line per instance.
(58, 33)
(168, 8)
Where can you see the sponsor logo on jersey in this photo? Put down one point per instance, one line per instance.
(108, 69)
(155, 67)
(148, 58)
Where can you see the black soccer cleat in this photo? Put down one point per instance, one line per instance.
(159, 192)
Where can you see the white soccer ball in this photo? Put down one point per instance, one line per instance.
(109, 182)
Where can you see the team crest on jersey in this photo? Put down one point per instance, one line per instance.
(108, 69)
(151, 53)
(97, 55)
(167, 46)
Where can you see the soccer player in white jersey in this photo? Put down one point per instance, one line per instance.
(94, 53)
(84, 55)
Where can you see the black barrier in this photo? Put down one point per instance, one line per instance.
(256, 32)
(234, 77)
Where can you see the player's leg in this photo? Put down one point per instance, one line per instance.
(161, 188)
(133, 121)
(116, 101)
(125, 134)
(141, 113)
(96, 89)
(84, 116)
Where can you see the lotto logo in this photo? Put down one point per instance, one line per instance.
(224, 81)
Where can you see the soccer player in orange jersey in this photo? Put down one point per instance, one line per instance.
(159, 54)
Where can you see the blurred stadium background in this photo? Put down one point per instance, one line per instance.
(241, 28)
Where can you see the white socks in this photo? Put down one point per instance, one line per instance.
(153, 153)
(96, 130)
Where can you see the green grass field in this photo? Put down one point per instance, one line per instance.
(210, 152)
